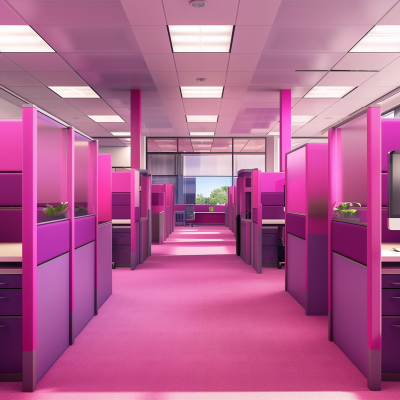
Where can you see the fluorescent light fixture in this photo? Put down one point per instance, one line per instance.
(106, 118)
(273, 134)
(201, 133)
(380, 39)
(301, 119)
(259, 130)
(122, 134)
(21, 39)
(202, 92)
(75, 92)
(201, 38)
(328, 92)
(202, 118)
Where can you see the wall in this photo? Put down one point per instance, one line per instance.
(120, 156)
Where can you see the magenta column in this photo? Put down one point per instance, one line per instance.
(29, 247)
(374, 247)
(136, 127)
(285, 137)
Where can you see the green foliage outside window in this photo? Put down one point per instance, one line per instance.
(217, 196)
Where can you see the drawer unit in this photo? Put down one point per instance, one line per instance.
(391, 281)
(11, 344)
(10, 301)
(270, 256)
(390, 344)
(391, 301)
(270, 239)
(10, 281)
(121, 254)
(121, 238)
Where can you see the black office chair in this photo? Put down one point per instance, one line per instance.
(189, 215)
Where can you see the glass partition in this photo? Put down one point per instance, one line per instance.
(82, 174)
(51, 169)
(248, 161)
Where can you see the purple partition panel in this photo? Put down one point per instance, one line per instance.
(272, 182)
(296, 225)
(209, 218)
(350, 240)
(85, 230)
(52, 240)
(121, 182)
(10, 225)
(11, 146)
(385, 189)
(83, 287)
(390, 140)
(296, 182)
(272, 199)
(388, 236)
(285, 120)
(350, 310)
(273, 212)
(143, 238)
(121, 199)
(104, 186)
(11, 345)
(52, 312)
(10, 190)
(104, 288)
(121, 212)
(296, 268)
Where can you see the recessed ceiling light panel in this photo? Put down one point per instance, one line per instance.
(202, 118)
(106, 118)
(301, 119)
(122, 134)
(380, 39)
(21, 39)
(201, 38)
(328, 92)
(201, 133)
(75, 92)
(202, 92)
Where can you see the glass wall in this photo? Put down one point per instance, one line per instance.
(203, 168)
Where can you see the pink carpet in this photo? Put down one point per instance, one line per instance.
(194, 322)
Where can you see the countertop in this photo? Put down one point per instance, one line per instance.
(121, 221)
(388, 254)
(274, 222)
(10, 252)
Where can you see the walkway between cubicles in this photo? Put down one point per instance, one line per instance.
(162, 211)
(307, 227)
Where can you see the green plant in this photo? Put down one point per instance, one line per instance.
(211, 209)
(57, 210)
(80, 208)
(344, 210)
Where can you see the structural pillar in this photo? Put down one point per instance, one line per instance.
(285, 136)
(136, 127)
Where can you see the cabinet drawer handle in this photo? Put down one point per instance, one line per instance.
(4, 297)
(3, 283)
(3, 326)
(395, 283)
(395, 297)
(395, 326)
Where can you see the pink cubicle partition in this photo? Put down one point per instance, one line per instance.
(104, 187)
(306, 230)
(11, 145)
(354, 301)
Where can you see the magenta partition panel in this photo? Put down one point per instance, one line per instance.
(104, 272)
(121, 182)
(136, 127)
(285, 137)
(11, 146)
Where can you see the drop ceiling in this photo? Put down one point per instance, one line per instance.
(114, 46)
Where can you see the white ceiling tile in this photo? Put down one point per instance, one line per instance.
(202, 110)
(235, 92)
(160, 62)
(149, 12)
(177, 118)
(257, 12)
(243, 62)
(165, 78)
(345, 78)
(312, 106)
(175, 111)
(203, 103)
(201, 61)
(250, 39)
(188, 78)
(239, 78)
(169, 92)
(365, 61)
(231, 103)
(172, 103)
(392, 17)
(152, 39)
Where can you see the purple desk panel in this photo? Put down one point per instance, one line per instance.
(52, 312)
(11, 225)
(11, 345)
(85, 230)
(296, 225)
(273, 212)
(84, 287)
(10, 190)
(52, 240)
(121, 212)
(209, 218)
(296, 268)
(350, 240)
(104, 268)
(121, 199)
(387, 235)
(143, 239)
(272, 199)
(349, 310)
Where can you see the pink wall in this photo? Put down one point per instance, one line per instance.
(104, 187)
(10, 146)
(296, 182)
(121, 182)
(272, 182)
(81, 169)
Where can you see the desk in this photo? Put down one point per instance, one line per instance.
(121, 221)
(10, 252)
(209, 217)
(274, 222)
(389, 255)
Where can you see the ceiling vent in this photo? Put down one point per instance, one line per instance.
(198, 3)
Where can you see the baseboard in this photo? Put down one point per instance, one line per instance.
(11, 377)
(393, 377)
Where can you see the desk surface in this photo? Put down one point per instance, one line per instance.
(209, 212)
(388, 254)
(10, 252)
(121, 221)
(274, 222)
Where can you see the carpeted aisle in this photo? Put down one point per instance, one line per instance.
(194, 322)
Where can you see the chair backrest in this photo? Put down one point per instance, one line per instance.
(189, 212)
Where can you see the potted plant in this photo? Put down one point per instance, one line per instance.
(345, 212)
(80, 211)
(211, 209)
(52, 213)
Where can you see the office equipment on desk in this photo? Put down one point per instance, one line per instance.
(393, 221)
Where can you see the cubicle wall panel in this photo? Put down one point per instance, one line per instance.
(11, 345)
(121, 212)
(104, 268)
(10, 301)
(296, 225)
(390, 140)
(317, 274)
(296, 268)
(10, 225)
(52, 240)
(85, 230)
(388, 236)
(273, 212)
(11, 145)
(121, 199)
(10, 190)
(84, 280)
(385, 190)
(52, 312)
(143, 239)
(296, 181)
(390, 344)
(350, 240)
(272, 199)
(349, 309)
